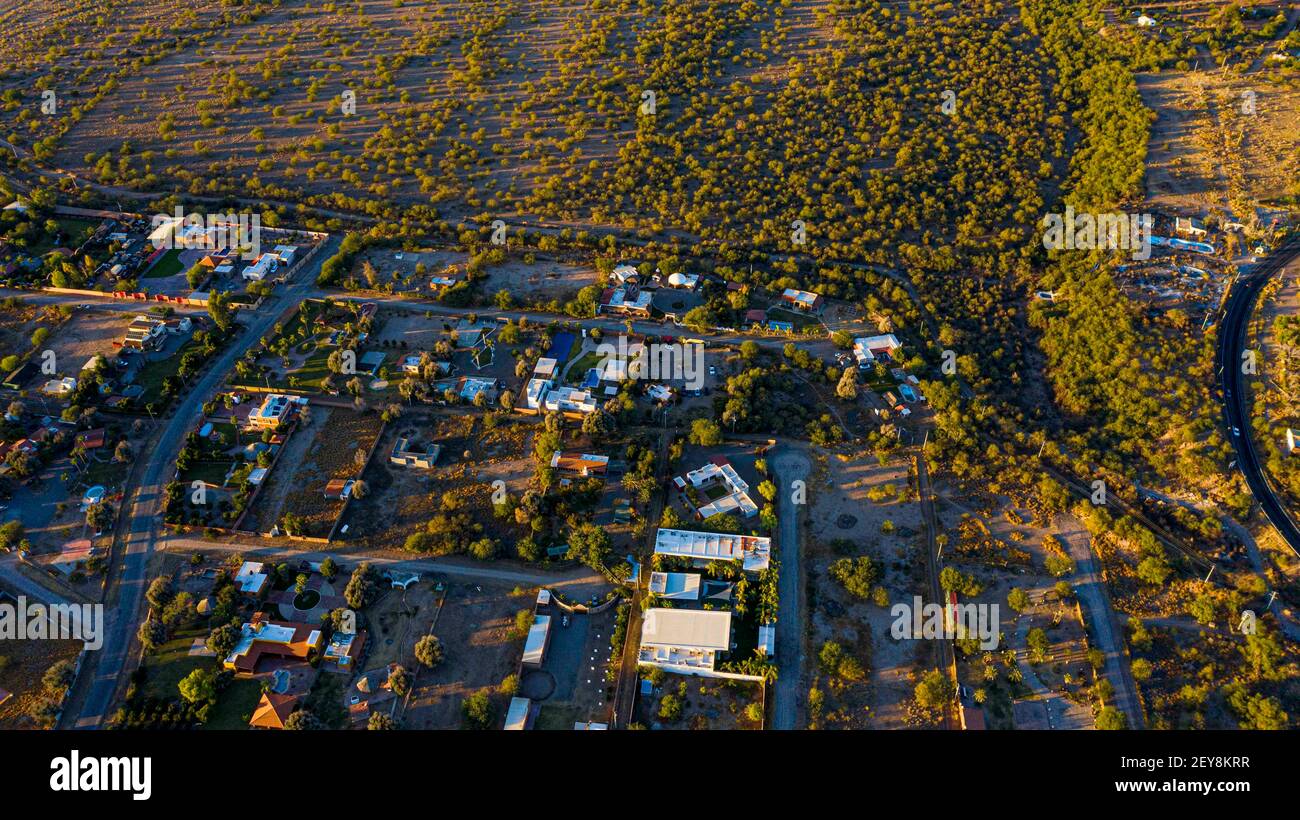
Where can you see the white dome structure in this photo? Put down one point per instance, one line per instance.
(677, 280)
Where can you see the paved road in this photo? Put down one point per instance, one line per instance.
(13, 577)
(790, 466)
(145, 508)
(1095, 598)
(1236, 412)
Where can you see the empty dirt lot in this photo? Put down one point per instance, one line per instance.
(476, 626)
(88, 332)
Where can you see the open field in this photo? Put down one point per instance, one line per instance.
(23, 665)
(705, 704)
(861, 508)
(472, 458)
(339, 440)
(87, 333)
(476, 626)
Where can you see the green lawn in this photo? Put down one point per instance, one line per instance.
(171, 662)
(108, 473)
(235, 705)
(212, 472)
(557, 718)
(152, 374)
(579, 370)
(168, 265)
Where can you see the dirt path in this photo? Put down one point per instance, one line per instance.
(582, 578)
(1061, 713)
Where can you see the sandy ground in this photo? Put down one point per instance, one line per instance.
(841, 509)
(84, 335)
(475, 625)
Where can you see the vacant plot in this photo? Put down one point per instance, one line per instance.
(340, 440)
(697, 704)
(86, 334)
(472, 457)
(19, 320)
(22, 665)
(861, 508)
(477, 627)
(541, 281)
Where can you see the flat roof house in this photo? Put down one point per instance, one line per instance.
(251, 578)
(344, 649)
(144, 333)
(275, 408)
(539, 635)
(684, 640)
(569, 400)
(545, 368)
(262, 267)
(471, 387)
(754, 552)
(285, 253)
(868, 349)
(535, 392)
(406, 455)
(627, 301)
(804, 300)
(517, 715)
(725, 490)
(681, 586)
(278, 639)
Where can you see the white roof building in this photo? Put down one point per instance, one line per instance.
(622, 273)
(262, 267)
(682, 586)
(684, 281)
(570, 400)
(545, 368)
(474, 386)
(659, 392)
(286, 253)
(538, 635)
(867, 349)
(737, 498)
(754, 552)
(684, 640)
(60, 387)
(517, 714)
(620, 302)
(250, 579)
(613, 370)
(536, 392)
